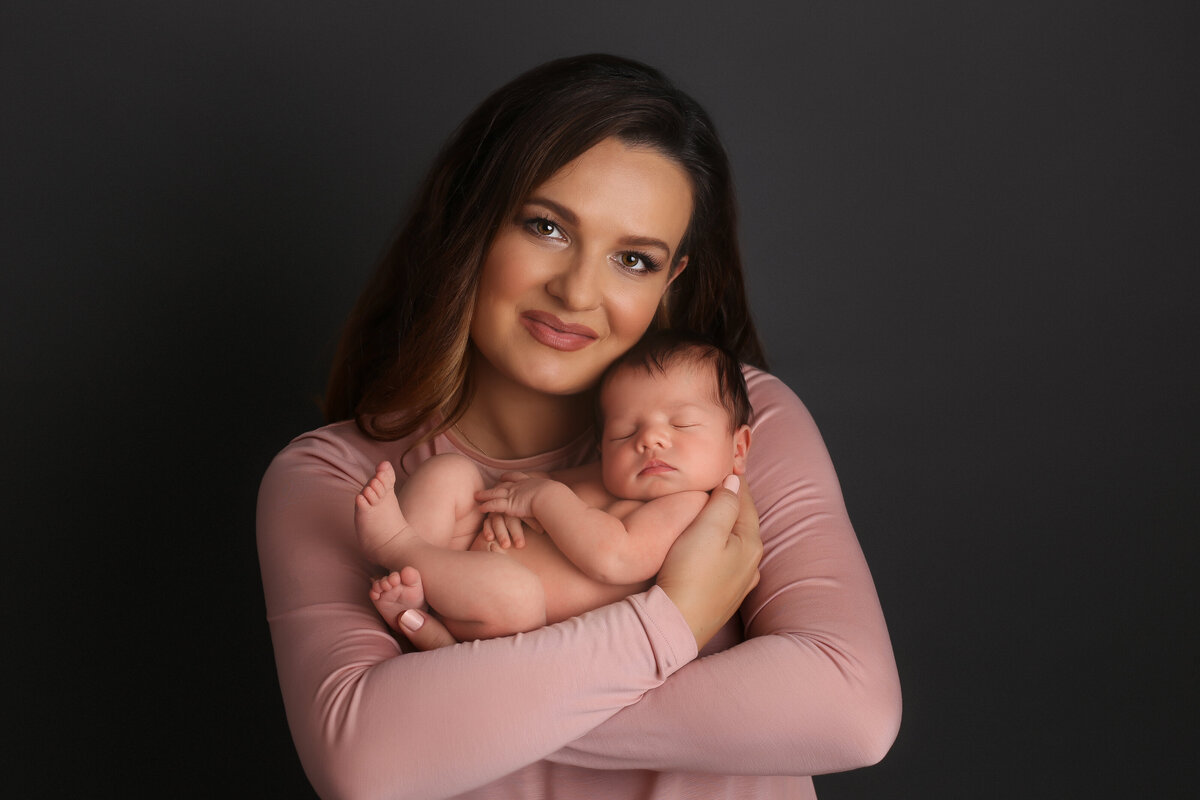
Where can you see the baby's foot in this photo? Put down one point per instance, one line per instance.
(378, 519)
(396, 593)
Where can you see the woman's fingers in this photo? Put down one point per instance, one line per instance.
(424, 630)
(746, 528)
(713, 564)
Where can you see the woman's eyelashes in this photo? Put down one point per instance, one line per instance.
(633, 261)
(545, 228)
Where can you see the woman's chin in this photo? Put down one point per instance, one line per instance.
(559, 382)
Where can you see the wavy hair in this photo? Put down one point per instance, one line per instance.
(404, 357)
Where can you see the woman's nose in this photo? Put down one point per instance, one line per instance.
(576, 285)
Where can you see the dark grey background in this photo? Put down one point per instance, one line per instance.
(967, 227)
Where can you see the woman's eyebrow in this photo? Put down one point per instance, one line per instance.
(646, 241)
(571, 218)
(564, 212)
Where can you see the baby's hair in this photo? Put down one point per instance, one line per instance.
(660, 350)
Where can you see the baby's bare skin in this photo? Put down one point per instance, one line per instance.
(385, 533)
(536, 548)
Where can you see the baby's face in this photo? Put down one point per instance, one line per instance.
(667, 433)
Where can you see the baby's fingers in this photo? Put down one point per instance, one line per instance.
(497, 492)
(516, 530)
(494, 531)
(500, 532)
(498, 505)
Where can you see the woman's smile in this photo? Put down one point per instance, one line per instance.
(553, 332)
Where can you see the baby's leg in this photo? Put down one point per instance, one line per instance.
(517, 607)
(477, 594)
(439, 500)
(438, 504)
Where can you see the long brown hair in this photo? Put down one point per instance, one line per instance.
(404, 356)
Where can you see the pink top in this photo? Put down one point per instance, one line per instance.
(614, 703)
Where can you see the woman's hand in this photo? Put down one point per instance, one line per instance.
(713, 564)
(428, 634)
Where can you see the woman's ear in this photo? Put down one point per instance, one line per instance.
(677, 270)
(662, 317)
(741, 448)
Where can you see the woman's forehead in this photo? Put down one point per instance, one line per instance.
(632, 189)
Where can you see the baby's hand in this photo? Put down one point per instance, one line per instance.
(505, 530)
(513, 496)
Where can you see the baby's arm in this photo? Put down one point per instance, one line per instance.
(605, 547)
(648, 533)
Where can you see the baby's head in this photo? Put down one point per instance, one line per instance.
(674, 415)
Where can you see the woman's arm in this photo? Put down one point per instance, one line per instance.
(814, 688)
(370, 721)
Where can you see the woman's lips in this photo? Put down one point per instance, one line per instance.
(553, 332)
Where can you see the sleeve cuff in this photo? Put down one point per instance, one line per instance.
(670, 637)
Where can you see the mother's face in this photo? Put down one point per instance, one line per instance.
(574, 280)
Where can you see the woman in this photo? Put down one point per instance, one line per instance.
(581, 204)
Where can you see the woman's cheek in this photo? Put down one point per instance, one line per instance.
(636, 312)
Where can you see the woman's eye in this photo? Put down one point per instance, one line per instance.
(632, 261)
(545, 228)
(638, 263)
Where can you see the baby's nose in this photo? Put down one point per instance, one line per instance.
(654, 436)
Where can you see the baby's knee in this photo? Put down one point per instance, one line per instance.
(453, 471)
(445, 476)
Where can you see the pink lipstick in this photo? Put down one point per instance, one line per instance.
(553, 332)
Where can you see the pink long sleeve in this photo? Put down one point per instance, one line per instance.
(370, 722)
(814, 688)
(609, 704)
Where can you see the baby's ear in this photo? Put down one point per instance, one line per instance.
(741, 448)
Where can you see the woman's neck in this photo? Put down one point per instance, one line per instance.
(506, 420)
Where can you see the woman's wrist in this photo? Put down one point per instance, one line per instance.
(713, 564)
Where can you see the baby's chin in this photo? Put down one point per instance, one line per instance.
(652, 490)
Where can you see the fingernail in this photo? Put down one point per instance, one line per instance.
(732, 483)
(412, 620)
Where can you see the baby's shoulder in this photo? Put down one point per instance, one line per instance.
(587, 483)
